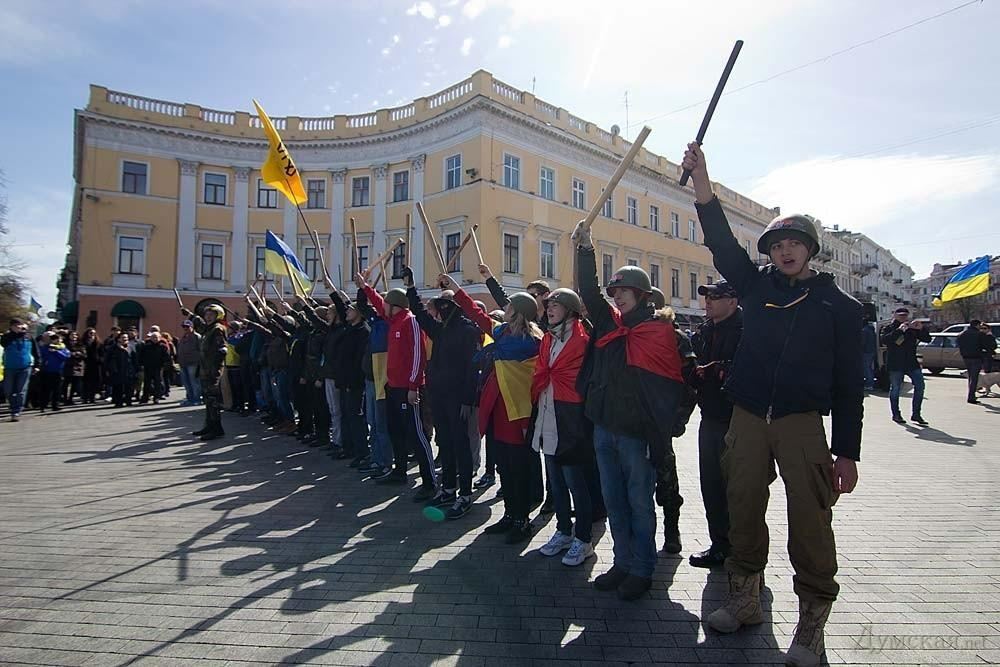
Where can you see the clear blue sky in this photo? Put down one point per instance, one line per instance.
(835, 139)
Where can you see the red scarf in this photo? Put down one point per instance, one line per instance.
(563, 372)
(650, 345)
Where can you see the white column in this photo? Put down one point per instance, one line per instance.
(335, 251)
(378, 224)
(418, 234)
(238, 245)
(185, 223)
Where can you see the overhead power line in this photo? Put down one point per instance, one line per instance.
(817, 61)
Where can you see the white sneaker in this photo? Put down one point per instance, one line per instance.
(578, 552)
(556, 544)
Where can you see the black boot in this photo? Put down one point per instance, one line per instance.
(203, 430)
(671, 532)
(214, 432)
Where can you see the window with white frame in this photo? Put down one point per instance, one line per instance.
(267, 197)
(260, 263)
(632, 261)
(654, 218)
(709, 279)
(131, 254)
(211, 261)
(398, 260)
(692, 231)
(654, 275)
(511, 253)
(547, 183)
(452, 242)
(675, 225)
(311, 262)
(607, 266)
(609, 209)
(363, 256)
(547, 255)
(401, 186)
(632, 210)
(675, 283)
(694, 285)
(360, 190)
(134, 176)
(579, 194)
(215, 189)
(512, 172)
(452, 172)
(316, 193)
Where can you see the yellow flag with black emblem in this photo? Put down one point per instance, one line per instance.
(279, 169)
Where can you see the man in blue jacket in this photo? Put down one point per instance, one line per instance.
(20, 360)
(797, 361)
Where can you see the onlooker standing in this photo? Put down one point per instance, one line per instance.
(869, 347)
(54, 355)
(74, 368)
(91, 365)
(20, 360)
(989, 347)
(119, 370)
(973, 346)
(152, 357)
(900, 338)
(188, 352)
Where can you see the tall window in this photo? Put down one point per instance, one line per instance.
(579, 194)
(360, 191)
(453, 172)
(675, 225)
(607, 266)
(401, 186)
(363, 254)
(632, 209)
(654, 218)
(134, 177)
(547, 254)
(316, 193)
(609, 209)
(511, 253)
(215, 189)
(694, 286)
(266, 197)
(398, 260)
(259, 263)
(654, 274)
(632, 261)
(512, 172)
(547, 183)
(451, 245)
(692, 232)
(709, 279)
(675, 283)
(211, 261)
(311, 260)
(130, 254)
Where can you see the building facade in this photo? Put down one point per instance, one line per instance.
(876, 276)
(985, 307)
(170, 195)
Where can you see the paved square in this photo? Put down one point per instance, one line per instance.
(123, 541)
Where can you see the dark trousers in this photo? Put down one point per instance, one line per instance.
(537, 487)
(353, 427)
(152, 384)
(453, 444)
(321, 411)
(71, 387)
(302, 399)
(974, 368)
(236, 388)
(711, 444)
(50, 390)
(569, 480)
(515, 465)
(247, 375)
(406, 432)
(118, 394)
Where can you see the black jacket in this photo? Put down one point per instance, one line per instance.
(801, 344)
(119, 365)
(715, 345)
(974, 344)
(901, 346)
(451, 373)
(152, 356)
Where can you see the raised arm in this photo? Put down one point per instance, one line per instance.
(598, 309)
(496, 289)
(468, 306)
(430, 326)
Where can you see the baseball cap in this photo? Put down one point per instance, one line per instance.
(187, 323)
(720, 289)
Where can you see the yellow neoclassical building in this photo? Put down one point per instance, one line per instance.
(170, 195)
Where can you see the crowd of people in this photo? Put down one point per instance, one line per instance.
(579, 396)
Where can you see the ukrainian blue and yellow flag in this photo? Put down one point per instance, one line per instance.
(276, 252)
(34, 306)
(514, 360)
(970, 280)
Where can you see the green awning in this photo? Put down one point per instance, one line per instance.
(70, 312)
(128, 308)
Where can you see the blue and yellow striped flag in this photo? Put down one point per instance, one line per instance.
(970, 280)
(276, 252)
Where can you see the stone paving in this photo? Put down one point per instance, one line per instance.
(124, 542)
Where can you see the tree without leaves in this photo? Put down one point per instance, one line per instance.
(13, 289)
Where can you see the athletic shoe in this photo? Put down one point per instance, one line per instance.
(501, 526)
(520, 531)
(558, 543)
(391, 477)
(578, 552)
(917, 419)
(461, 507)
(359, 462)
(485, 482)
(384, 473)
(424, 493)
(443, 498)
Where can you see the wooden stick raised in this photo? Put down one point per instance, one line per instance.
(409, 239)
(254, 291)
(461, 247)
(381, 258)
(292, 277)
(178, 295)
(475, 242)
(430, 233)
(354, 243)
(615, 177)
(322, 260)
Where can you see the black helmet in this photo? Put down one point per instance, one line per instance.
(630, 276)
(397, 297)
(658, 298)
(566, 298)
(785, 226)
(525, 304)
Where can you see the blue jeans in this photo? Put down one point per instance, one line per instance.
(868, 370)
(192, 386)
(570, 480)
(15, 386)
(281, 393)
(895, 384)
(628, 480)
(265, 393)
(378, 427)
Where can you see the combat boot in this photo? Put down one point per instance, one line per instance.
(203, 430)
(742, 605)
(807, 644)
(671, 532)
(213, 433)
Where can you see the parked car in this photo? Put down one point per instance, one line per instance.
(942, 352)
(959, 328)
